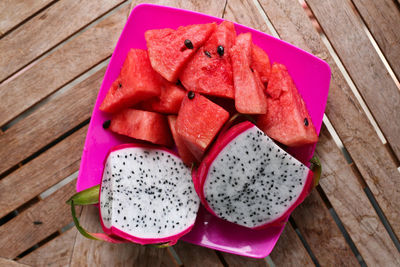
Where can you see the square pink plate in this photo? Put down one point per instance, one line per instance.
(311, 75)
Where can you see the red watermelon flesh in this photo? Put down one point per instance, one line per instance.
(169, 100)
(244, 41)
(136, 82)
(210, 72)
(185, 154)
(167, 50)
(199, 121)
(287, 120)
(249, 90)
(260, 62)
(143, 125)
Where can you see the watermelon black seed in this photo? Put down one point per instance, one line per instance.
(191, 95)
(106, 124)
(220, 50)
(119, 85)
(207, 54)
(305, 121)
(251, 69)
(188, 44)
(178, 82)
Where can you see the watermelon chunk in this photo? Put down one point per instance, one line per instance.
(287, 120)
(199, 121)
(260, 63)
(249, 90)
(169, 50)
(136, 82)
(210, 72)
(143, 125)
(169, 100)
(185, 154)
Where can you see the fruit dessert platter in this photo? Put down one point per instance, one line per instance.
(210, 121)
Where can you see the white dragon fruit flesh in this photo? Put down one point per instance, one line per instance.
(147, 195)
(248, 180)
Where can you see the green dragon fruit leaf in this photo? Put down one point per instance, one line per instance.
(88, 197)
(316, 169)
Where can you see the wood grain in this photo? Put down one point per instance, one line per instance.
(343, 110)
(11, 263)
(353, 207)
(289, 251)
(47, 29)
(238, 261)
(66, 63)
(54, 253)
(363, 64)
(383, 19)
(196, 256)
(322, 234)
(36, 223)
(41, 173)
(98, 253)
(246, 13)
(13, 12)
(50, 121)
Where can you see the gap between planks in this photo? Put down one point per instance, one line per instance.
(354, 89)
(17, 68)
(362, 63)
(278, 15)
(29, 11)
(381, 20)
(356, 140)
(92, 33)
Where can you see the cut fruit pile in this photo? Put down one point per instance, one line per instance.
(196, 72)
(182, 93)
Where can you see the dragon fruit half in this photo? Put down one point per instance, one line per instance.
(249, 180)
(146, 196)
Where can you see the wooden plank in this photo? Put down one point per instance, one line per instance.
(36, 223)
(383, 19)
(289, 251)
(47, 29)
(238, 261)
(13, 12)
(55, 253)
(322, 234)
(363, 64)
(66, 63)
(43, 172)
(11, 263)
(246, 13)
(351, 204)
(196, 256)
(343, 110)
(64, 112)
(106, 254)
(210, 7)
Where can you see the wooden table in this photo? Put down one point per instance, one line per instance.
(53, 56)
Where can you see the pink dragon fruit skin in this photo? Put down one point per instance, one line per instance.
(182, 181)
(202, 173)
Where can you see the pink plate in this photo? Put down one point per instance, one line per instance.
(311, 75)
